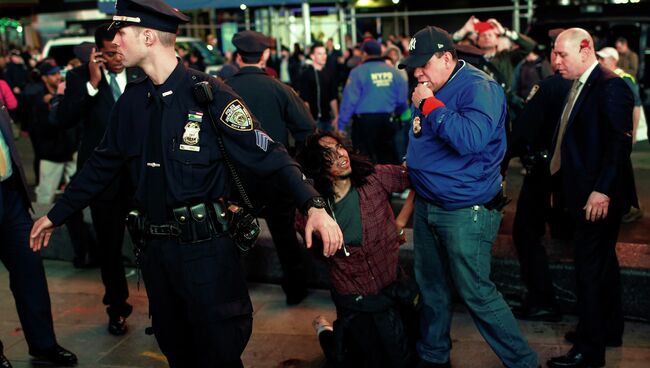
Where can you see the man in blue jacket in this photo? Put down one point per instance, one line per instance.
(455, 149)
(373, 93)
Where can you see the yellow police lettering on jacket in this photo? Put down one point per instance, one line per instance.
(381, 79)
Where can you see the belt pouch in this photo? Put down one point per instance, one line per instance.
(182, 217)
(200, 223)
(220, 219)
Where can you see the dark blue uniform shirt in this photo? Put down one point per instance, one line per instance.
(194, 168)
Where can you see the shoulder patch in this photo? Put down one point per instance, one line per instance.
(532, 93)
(235, 116)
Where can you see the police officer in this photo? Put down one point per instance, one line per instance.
(200, 307)
(279, 111)
(373, 93)
(531, 140)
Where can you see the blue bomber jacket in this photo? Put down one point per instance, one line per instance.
(454, 161)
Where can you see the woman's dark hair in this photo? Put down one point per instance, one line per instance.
(316, 161)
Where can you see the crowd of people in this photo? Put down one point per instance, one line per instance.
(318, 141)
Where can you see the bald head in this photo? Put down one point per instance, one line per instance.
(574, 52)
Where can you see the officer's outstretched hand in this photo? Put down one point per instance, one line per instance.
(329, 231)
(41, 233)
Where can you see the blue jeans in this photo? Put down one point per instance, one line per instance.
(455, 246)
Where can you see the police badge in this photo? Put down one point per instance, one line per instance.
(191, 134)
(417, 127)
(236, 117)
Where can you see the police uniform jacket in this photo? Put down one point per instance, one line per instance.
(194, 167)
(274, 104)
(535, 126)
(373, 87)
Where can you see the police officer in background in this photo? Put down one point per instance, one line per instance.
(531, 141)
(199, 303)
(373, 93)
(280, 111)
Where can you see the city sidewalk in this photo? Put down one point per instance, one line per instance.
(282, 336)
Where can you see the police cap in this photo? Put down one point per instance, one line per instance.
(424, 44)
(155, 14)
(371, 47)
(251, 42)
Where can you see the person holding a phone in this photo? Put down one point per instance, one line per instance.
(168, 141)
(91, 91)
(495, 41)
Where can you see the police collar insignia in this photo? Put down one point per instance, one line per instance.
(236, 117)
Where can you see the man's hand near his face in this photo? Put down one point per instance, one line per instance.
(95, 66)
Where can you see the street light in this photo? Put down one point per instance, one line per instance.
(243, 7)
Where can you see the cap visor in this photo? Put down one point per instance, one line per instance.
(54, 70)
(414, 61)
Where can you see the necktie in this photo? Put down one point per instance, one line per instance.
(115, 88)
(156, 193)
(3, 163)
(557, 152)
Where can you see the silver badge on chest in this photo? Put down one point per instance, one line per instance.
(191, 134)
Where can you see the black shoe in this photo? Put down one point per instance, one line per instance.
(54, 356)
(4, 362)
(427, 364)
(117, 326)
(532, 313)
(574, 360)
(572, 337)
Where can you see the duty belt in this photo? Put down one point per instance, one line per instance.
(191, 224)
(162, 230)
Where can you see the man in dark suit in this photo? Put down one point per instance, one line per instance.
(26, 272)
(90, 93)
(592, 156)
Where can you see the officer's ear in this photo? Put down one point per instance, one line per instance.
(265, 56)
(149, 36)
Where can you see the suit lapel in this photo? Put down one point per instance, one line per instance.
(583, 93)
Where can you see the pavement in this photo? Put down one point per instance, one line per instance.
(282, 336)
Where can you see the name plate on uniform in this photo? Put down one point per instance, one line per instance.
(185, 147)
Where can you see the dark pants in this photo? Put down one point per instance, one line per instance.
(369, 340)
(280, 217)
(373, 135)
(108, 221)
(198, 300)
(598, 284)
(82, 243)
(26, 272)
(534, 211)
